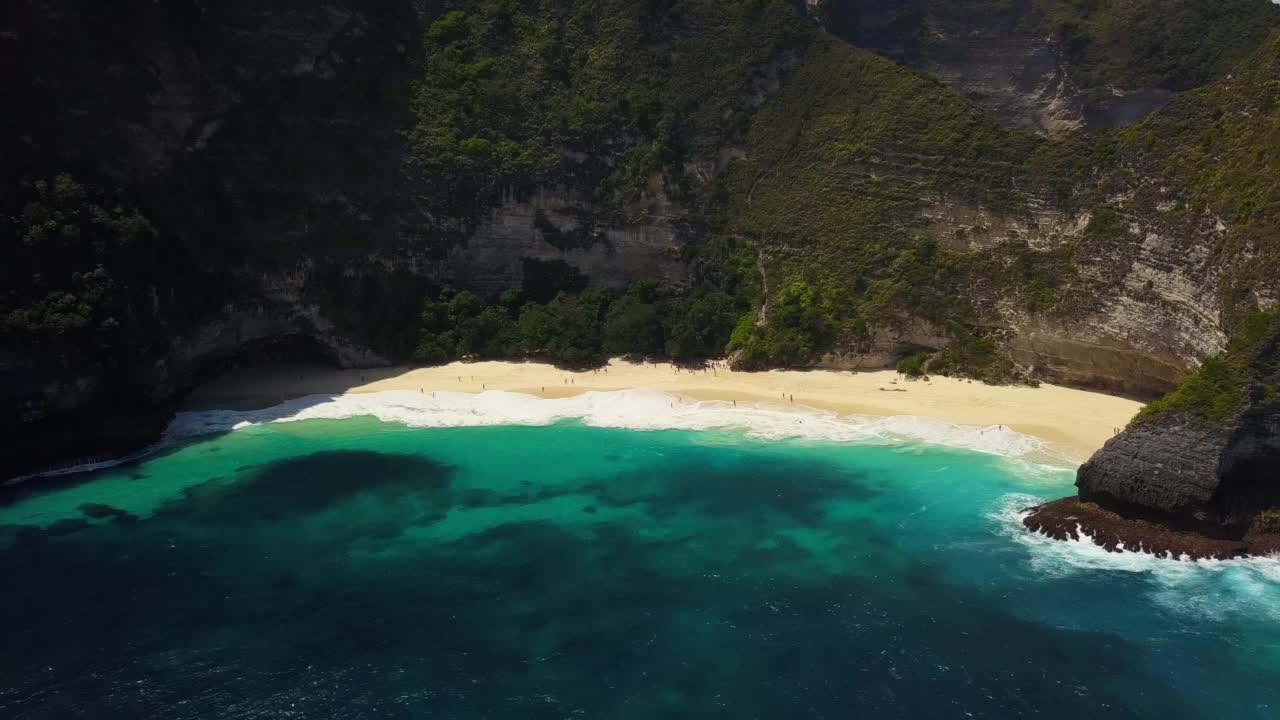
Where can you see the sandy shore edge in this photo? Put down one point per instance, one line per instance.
(1074, 423)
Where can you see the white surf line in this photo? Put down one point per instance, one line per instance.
(624, 409)
(627, 409)
(1253, 579)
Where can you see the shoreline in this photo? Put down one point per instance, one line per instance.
(1073, 423)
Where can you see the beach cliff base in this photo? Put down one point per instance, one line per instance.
(1071, 518)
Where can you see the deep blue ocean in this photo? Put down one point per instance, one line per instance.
(364, 569)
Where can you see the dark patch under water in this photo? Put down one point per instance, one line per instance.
(301, 588)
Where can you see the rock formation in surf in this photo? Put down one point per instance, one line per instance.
(1197, 472)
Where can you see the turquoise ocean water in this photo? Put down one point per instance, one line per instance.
(355, 568)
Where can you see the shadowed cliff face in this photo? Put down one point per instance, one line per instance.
(266, 144)
(995, 56)
(1203, 462)
(1055, 66)
(272, 146)
(263, 134)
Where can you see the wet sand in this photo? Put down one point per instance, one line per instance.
(1073, 422)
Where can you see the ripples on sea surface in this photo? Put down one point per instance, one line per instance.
(360, 569)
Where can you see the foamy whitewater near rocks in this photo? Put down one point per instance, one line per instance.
(628, 409)
(474, 571)
(1249, 586)
(479, 552)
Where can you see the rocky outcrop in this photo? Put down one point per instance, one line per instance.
(1134, 314)
(884, 344)
(1078, 520)
(61, 421)
(561, 224)
(1198, 475)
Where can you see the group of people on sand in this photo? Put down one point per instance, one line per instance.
(568, 380)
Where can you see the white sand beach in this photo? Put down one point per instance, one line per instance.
(1074, 423)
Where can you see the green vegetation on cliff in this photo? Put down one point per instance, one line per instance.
(1219, 390)
(83, 275)
(557, 315)
(513, 92)
(1215, 152)
(859, 199)
(1202, 172)
(578, 329)
(1107, 45)
(839, 168)
(848, 168)
(1168, 44)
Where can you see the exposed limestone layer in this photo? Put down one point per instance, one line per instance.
(887, 343)
(559, 224)
(998, 56)
(1199, 475)
(1138, 314)
(270, 130)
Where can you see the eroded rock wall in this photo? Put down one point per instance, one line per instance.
(999, 55)
(1206, 464)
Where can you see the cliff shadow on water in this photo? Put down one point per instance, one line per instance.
(122, 424)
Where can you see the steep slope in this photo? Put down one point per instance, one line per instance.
(1117, 260)
(842, 184)
(1197, 472)
(1054, 66)
(285, 177)
(230, 174)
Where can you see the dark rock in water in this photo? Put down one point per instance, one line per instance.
(99, 511)
(1198, 472)
(66, 526)
(1072, 519)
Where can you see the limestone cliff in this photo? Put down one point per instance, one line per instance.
(312, 172)
(1198, 472)
(267, 144)
(1097, 261)
(1001, 59)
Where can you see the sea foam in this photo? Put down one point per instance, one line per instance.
(1205, 587)
(627, 409)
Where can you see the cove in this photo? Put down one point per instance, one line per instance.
(355, 568)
